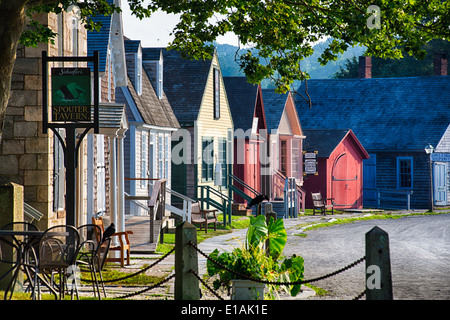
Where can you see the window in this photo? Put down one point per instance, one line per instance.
(166, 156)
(160, 157)
(101, 174)
(404, 173)
(216, 93)
(296, 159)
(283, 157)
(58, 172)
(207, 159)
(223, 160)
(143, 160)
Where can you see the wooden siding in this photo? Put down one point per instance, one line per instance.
(387, 175)
(207, 126)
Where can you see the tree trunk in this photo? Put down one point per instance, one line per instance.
(12, 22)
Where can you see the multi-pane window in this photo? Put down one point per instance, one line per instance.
(216, 93)
(223, 160)
(166, 156)
(160, 157)
(404, 172)
(207, 159)
(144, 160)
(283, 157)
(295, 160)
(58, 173)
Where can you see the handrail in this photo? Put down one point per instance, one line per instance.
(186, 211)
(223, 207)
(245, 185)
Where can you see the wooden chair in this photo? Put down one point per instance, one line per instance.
(203, 217)
(321, 204)
(124, 243)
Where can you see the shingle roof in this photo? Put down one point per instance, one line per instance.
(242, 97)
(184, 82)
(273, 106)
(154, 111)
(384, 113)
(99, 40)
(323, 141)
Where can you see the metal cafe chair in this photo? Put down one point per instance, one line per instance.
(93, 254)
(18, 241)
(58, 250)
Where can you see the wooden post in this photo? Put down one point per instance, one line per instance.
(378, 266)
(186, 283)
(11, 210)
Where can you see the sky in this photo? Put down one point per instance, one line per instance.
(155, 31)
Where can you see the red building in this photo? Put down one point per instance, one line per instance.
(340, 167)
(247, 110)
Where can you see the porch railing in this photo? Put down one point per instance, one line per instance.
(394, 199)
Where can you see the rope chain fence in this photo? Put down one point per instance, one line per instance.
(351, 265)
(137, 273)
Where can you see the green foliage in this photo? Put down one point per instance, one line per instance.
(253, 261)
(282, 33)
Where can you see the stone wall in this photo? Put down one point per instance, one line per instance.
(26, 153)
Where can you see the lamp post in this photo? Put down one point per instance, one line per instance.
(429, 149)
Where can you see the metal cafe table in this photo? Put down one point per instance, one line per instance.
(22, 241)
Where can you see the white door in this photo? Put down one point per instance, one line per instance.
(440, 183)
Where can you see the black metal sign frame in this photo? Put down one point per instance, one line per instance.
(70, 145)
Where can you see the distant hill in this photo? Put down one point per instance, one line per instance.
(227, 54)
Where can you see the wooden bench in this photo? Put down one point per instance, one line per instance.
(123, 247)
(203, 217)
(321, 204)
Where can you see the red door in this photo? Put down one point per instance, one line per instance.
(344, 184)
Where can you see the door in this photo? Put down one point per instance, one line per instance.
(440, 183)
(370, 181)
(344, 182)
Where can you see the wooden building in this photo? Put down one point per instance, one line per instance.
(394, 119)
(340, 167)
(152, 122)
(249, 120)
(104, 179)
(284, 143)
(281, 159)
(202, 148)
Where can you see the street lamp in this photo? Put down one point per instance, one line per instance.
(429, 149)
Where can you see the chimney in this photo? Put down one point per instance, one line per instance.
(440, 64)
(365, 67)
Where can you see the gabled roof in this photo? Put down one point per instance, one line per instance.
(384, 113)
(273, 106)
(184, 82)
(110, 36)
(99, 40)
(242, 97)
(325, 141)
(154, 111)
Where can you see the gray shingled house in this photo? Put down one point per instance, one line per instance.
(394, 119)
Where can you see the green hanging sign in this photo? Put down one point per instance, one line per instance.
(71, 94)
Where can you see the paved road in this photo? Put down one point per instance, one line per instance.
(420, 255)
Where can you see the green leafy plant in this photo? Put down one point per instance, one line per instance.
(259, 259)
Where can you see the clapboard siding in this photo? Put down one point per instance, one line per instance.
(207, 125)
